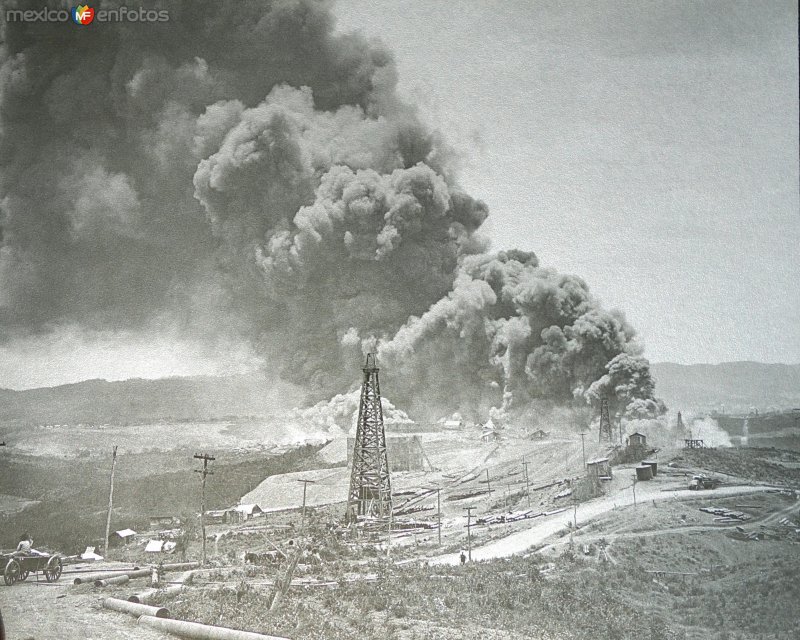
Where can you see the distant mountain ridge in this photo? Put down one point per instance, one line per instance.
(737, 386)
(734, 386)
(140, 400)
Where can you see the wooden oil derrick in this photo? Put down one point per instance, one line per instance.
(681, 427)
(370, 485)
(606, 432)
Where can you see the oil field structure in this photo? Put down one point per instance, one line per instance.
(370, 494)
(606, 431)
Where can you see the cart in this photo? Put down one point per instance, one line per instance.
(19, 565)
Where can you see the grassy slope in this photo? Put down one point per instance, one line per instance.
(74, 493)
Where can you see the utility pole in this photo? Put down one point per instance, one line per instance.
(634, 490)
(575, 512)
(110, 500)
(527, 481)
(389, 537)
(205, 472)
(438, 491)
(303, 516)
(488, 486)
(439, 513)
(583, 447)
(469, 531)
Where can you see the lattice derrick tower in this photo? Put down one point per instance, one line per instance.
(606, 433)
(370, 484)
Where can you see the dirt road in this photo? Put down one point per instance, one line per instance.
(613, 536)
(58, 611)
(541, 530)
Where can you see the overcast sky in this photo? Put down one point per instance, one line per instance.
(649, 147)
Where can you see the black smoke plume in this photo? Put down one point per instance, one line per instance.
(243, 169)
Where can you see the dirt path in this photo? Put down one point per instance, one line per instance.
(611, 536)
(541, 530)
(58, 611)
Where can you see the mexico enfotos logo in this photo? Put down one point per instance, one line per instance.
(85, 15)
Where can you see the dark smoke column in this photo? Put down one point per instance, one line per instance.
(243, 173)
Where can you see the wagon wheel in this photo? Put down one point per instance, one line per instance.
(11, 574)
(52, 571)
(24, 575)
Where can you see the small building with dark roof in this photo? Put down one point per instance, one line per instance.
(637, 439)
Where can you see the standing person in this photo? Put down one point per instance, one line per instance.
(463, 557)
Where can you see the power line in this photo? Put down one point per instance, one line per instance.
(204, 472)
(110, 501)
(305, 482)
(469, 531)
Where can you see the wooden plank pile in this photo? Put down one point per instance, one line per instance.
(725, 516)
(514, 516)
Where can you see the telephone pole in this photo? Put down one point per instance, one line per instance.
(575, 511)
(634, 490)
(438, 510)
(469, 531)
(439, 513)
(205, 472)
(527, 481)
(488, 486)
(110, 500)
(305, 486)
(582, 434)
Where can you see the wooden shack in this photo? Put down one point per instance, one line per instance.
(599, 468)
(637, 439)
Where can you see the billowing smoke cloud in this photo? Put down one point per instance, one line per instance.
(515, 335)
(708, 430)
(244, 170)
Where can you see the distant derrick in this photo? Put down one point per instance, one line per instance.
(370, 485)
(606, 433)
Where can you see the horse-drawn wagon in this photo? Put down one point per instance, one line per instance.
(18, 566)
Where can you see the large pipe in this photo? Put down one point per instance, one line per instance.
(197, 631)
(180, 566)
(109, 570)
(107, 582)
(141, 573)
(143, 597)
(135, 609)
(148, 595)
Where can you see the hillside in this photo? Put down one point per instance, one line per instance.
(137, 400)
(736, 385)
